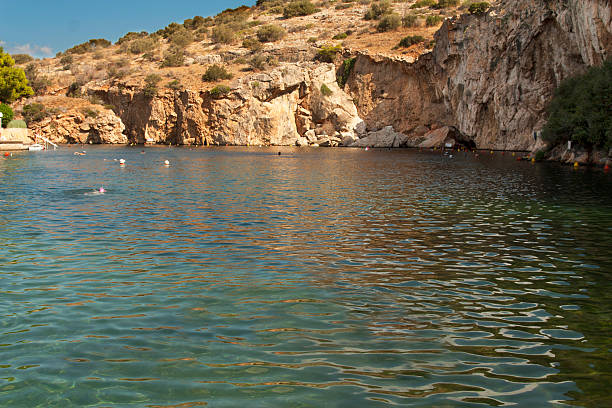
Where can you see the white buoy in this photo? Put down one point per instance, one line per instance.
(167, 163)
(121, 162)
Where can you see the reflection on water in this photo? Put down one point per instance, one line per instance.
(316, 278)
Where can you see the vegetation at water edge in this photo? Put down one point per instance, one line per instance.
(581, 110)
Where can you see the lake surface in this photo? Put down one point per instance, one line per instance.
(317, 278)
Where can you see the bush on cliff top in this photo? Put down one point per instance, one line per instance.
(150, 89)
(478, 8)
(581, 109)
(219, 91)
(411, 40)
(328, 53)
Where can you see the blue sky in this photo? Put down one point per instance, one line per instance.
(42, 27)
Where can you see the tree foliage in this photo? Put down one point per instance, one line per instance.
(13, 81)
(581, 109)
(7, 114)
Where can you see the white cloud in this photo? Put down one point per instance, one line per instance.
(33, 50)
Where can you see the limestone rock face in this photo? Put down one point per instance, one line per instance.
(385, 137)
(489, 76)
(76, 126)
(279, 107)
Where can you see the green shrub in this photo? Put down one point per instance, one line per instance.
(340, 36)
(258, 62)
(142, 45)
(131, 36)
(580, 109)
(34, 112)
(410, 20)
(270, 33)
(196, 22)
(181, 38)
(22, 58)
(7, 114)
(91, 45)
(325, 91)
(234, 17)
(432, 21)
(478, 8)
(216, 72)
(299, 8)
(39, 83)
(66, 59)
(173, 58)
(378, 9)
(219, 91)
(343, 6)
(328, 53)
(223, 34)
(540, 154)
(423, 3)
(253, 44)
(74, 90)
(170, 29)
(175, 84)
(411, 40)
(89, 113)
(345, 71)
(445, 4)
(17, 124)
(150, 88)
(389, 22)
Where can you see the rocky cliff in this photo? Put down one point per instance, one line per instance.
(295, 103)
(486, 84)
(489, 76)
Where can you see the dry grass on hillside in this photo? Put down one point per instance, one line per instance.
(198, 43)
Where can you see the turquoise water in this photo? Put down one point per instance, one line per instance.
(320, 277)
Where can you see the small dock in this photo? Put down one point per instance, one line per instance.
(12, 145)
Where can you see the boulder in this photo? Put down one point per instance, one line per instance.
(440, 137)
(348, 138)
(385, 137)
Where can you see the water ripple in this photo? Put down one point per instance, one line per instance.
(316, 278)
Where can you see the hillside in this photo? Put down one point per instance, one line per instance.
(336, 76)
